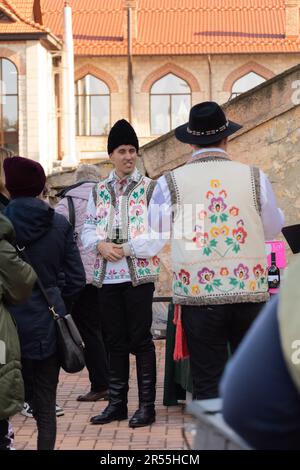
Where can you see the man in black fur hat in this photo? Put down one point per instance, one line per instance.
(116, 213)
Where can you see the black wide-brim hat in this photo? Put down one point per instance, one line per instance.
(207, 124)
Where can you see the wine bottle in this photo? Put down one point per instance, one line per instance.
(273, 273)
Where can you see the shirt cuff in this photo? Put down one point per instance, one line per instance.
(128, 251)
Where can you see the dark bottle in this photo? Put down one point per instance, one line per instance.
(273, 273)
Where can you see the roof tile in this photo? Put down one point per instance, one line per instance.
(175, 26)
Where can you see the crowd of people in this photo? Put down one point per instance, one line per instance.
(97, 254)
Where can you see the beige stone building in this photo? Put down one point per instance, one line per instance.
(144, 60)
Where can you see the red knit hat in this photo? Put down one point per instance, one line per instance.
(23, 177)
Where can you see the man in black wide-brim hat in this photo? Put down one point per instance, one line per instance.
(223, 211)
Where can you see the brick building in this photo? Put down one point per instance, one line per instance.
(145, 60)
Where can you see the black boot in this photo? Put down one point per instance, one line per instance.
(118, 390)
(146, 375)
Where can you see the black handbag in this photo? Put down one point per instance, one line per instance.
(69, 342)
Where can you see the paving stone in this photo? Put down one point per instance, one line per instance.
(74, 430)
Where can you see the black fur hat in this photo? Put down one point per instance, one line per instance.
(122, 133)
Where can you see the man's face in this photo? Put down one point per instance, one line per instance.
(124, 159)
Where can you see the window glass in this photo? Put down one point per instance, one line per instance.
(245, 83)
(160, 114)
(92, 107)
(170, 102)
(9, 125)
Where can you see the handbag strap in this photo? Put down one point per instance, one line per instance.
(71, 211)
(51, 307)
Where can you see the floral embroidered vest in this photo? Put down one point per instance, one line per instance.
(134, 222)
(218, 247)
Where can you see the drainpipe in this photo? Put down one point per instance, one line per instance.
(69, 158)
(209, 76)
(129, 62)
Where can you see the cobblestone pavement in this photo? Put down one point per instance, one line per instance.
(75, 432)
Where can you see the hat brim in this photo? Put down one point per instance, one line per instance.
(186, 137)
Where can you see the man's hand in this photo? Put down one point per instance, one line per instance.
(110, 251)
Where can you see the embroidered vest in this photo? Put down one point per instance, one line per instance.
(134, 222)
(289, 321)
(218, 247)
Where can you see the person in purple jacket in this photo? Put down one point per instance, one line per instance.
(86, 309)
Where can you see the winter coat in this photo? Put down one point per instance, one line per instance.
(80, 195)
(16, 282)
(49, 243)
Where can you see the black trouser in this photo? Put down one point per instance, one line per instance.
(210, 331)
(126, 313)
(88, 320)
(41, 376)
(6, 435)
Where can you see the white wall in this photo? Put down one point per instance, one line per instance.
(41, 118)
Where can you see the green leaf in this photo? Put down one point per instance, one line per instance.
(233, 281)
(101, 194)
(148, 271)
(209, 288)
(242, 285)
(217, 282)
(185, 290)
(132, 219)
(213, 243)
(142, 191)
(224, 217)
(236, 248)
(214, 219)
(207, 251)
(106, 197)
(141, 272)
(229, 241)
(262, 280)
(135, 195)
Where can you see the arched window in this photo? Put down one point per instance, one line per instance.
(92, 107)
(170, 102)
(9, 123)
(245, 83)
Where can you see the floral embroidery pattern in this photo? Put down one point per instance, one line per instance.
(207, 277)
(220, 232)
(236, 281)
(217, 207)
(103, 205)
(114, 274)
(143, 266)
(155, 260)
(184, 276)
(137, 212)
(260, 275)
(218, 213)
(224, 272)
(241, 274)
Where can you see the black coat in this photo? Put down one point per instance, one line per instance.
(3, 202)
(50, 246)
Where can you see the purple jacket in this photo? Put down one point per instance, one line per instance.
(80, 196)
